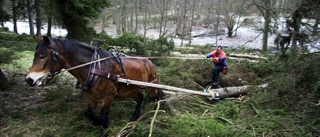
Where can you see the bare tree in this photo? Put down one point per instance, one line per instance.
(30, 17)
(37, 5)
(146, 17)
(14, 15)
(232, 11)
(124, 16)
(191, 21)
(265, 8)
(184, 18)
(163, 5)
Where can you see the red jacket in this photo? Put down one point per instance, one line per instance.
(222, 56)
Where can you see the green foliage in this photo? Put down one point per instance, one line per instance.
(160, 46)
(195, 126)
(317, 89)
(135, 43)
(138, 45)
(75, 16)
(288, 107)
(4, 16)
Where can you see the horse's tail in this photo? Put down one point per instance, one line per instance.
(155, 94)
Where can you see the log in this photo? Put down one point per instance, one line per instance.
(214, 93)
(248, 56)
(227, 92)
(222, 93)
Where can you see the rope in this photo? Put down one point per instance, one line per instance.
(82, 65)
(85, 64)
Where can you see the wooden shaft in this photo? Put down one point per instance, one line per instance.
(140, 83)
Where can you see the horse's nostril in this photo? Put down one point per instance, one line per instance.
(29, 81)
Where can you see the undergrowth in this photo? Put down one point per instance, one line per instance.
(289, 106)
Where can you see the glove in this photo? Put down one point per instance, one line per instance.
(216, 60)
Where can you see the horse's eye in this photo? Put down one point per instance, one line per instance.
(41, 57)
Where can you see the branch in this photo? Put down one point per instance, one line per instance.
(253, 39)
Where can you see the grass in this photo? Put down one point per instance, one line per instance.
(58, 109)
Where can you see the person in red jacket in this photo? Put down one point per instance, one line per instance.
(219, 59)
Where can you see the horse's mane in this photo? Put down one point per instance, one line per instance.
(72, 46)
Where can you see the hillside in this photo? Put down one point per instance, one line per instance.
(288, 107)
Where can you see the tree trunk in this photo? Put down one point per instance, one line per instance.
(296, 22)
(14, 16)
(162, 17)
(37, 4)
(191, 22)
(184, 17)
(266, 28)
(130, 24)
(136, 10)
(227, 92)
(4, 83)
(146, 18)
(315, 27)
(166, 15)
(218, 22)
(49, 26)
(30, 17)
(124, 17)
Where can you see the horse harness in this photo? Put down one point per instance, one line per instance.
(93, 70)
(55, 57)
(96, 71)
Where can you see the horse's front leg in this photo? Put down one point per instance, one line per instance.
(105, 109)
(90, 111)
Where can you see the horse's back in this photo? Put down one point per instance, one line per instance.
(141, 69)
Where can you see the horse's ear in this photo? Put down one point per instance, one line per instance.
(37, 38)
(46, 39)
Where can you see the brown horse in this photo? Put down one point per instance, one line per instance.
(53, 55)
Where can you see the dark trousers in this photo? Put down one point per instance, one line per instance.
(215, 75)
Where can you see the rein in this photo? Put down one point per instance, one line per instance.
(82, 65)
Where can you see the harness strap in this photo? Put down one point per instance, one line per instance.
(120, 62)
(55, 57)
(87, 84)
(107, 75)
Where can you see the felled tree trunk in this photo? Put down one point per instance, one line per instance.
(222, 93)
(219, 93)
(4, 83)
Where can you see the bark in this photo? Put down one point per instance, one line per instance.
(136, 10)
(49, 26)
(162, 17)
(4, 83)
(215, 93)
(146, 18)
(14, 16)
(124, 17)
(184, 17)
(315, 27)
(37, 5)
(266, 27)
(227, 92)
(253, 57)
(191, 22)
(30, 16)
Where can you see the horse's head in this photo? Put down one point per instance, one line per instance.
(46, 62)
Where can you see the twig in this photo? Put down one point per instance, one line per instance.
(253, 39)
(127, 127)
(255, 110)
(154, 117)
(226, 120)
(254, 132)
